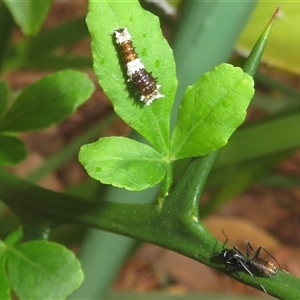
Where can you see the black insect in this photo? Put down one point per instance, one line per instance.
(235, 261)
(261, 266)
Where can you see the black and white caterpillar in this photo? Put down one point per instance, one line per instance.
(142, 80)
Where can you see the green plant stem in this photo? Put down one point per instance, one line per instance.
(180, 231)
(184, 230)
(191, 188)
(57, 208)
(166, 183)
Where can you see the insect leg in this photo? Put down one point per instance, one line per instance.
(263, 248)
(226, 238)
(252, 275)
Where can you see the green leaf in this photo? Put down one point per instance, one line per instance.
(43, 270)
(4, 91)
(30, 14)
(12, 150)
(211, 110)
(14, 238)
(39, 52)
(123, 163)
(268, 137)
(152, 122)
(7, 26)
(48, 101)
(4, 285)
(65, 34)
